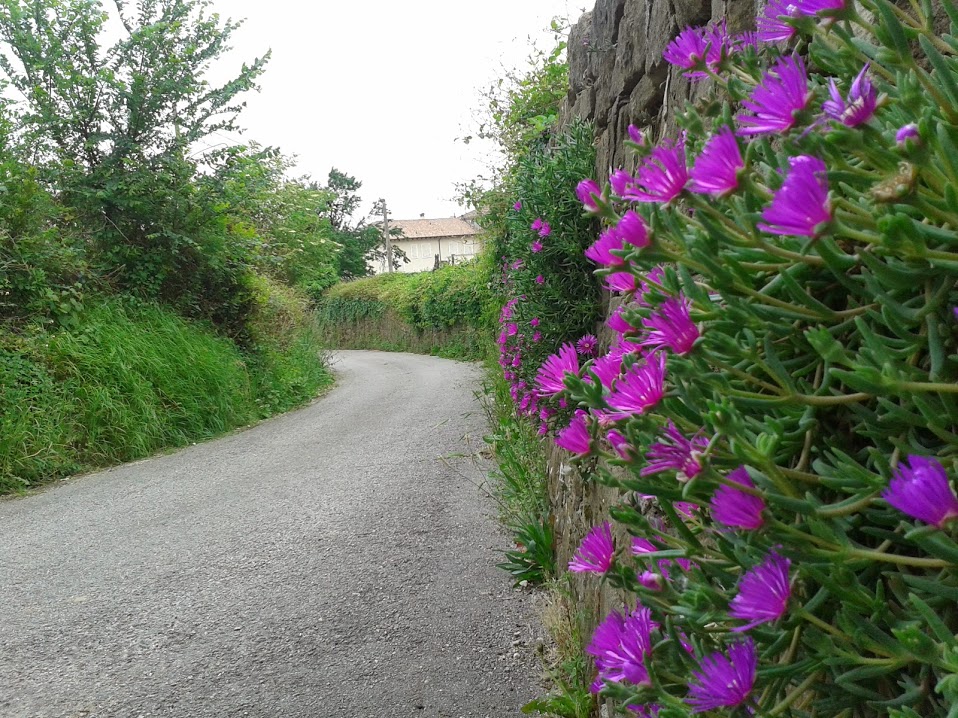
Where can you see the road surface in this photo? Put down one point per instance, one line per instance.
(337, 561)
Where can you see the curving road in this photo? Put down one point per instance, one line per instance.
(337, 561)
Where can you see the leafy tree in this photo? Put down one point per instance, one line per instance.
(113, 128)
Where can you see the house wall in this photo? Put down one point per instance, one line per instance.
(422, 252)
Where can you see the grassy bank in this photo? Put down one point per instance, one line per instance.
(131, 379)
(438, 313)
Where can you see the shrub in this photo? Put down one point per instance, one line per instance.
(784, 384)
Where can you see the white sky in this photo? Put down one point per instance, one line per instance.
(382, 89)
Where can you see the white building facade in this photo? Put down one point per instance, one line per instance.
(435, 242)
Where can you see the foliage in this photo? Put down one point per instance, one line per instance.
(113, 388)
(817, 362)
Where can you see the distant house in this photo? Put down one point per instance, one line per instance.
(435, 242)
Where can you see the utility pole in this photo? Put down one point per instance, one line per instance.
(388, 242)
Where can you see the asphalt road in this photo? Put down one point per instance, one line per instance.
(335, 561)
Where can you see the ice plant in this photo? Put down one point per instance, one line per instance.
(639, 389)
(595, 552)
(535, 247)
(575, 437)
(550, 378)
(587, 345)
(545, 230)
(738, 509)
(770, 27)
(920, 488)
(620, 282)
(619, 444)
(617, 322)
(724, 681)
(763, 593)
(670, 326)
(635, 135)
(631, 228)
(858, 107)
(907, 132)
(588, 191)
(801, 206)
(600, 251)
(674, 452)
(716, 170)
(662, 175)
(517, 206)
(776, 102)
(607, 368)
(621, 646)
(695, 48)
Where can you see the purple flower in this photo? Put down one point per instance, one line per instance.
(639, 389)
(617, 323)
(536, 247)
(671, 326)
(635, 134)
(534, 322)
(770, 28)
(782, 93)
(540, 279)
(546, 230)
(695, 48)
(587, 345)
(724, 681)
(662, 175)
(620, 282)
(517, 206)
(763, 593)
(619, 444)
(737, 509)
(907, 132)
(600, 251)
(716, 169)
(536, 224)
(920, 488)
(651, 580)
(621, 645)
(536, 336)
(675, 452)
(575, 437)
(595, 552)
(551, 374)
(631, 228)
(650, 710)
(607, 369)
(588, 191)
(814, 7)
(860, 105)
(801, 206)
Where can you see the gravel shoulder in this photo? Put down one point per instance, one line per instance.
(335, 561)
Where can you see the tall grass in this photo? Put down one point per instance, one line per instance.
(131, 380)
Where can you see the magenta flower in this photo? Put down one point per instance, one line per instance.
(716, 170)
(662, 175)
(801, 206)
(600, 251)
(651, 580)
(595, 552)
(621, 182)
(621, 645)
(536, 224)
(607, 369)
(696, 48)
(920, 488)
(631, 228)
(545, 230)
(770, 27)
(635, 134)
(763, 593)
(858, 107)
(675, 452)
(670, 326)
(724, 681)
(782, 93)
(517, 206)
(737, 509)
(536, 247)
(588, 192)
(551, 374)
(617, 323)
(619, 444)
(575, 437)
(540, 279)
(620, 282)
(907, 132)
(639, 389)
(587, 345)
(534, 322)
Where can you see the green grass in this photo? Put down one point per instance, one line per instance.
(132, 380)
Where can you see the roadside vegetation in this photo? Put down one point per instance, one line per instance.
(155, 285)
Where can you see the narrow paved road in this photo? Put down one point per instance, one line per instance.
(334, 562)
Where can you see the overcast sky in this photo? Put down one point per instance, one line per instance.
(382, 89)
